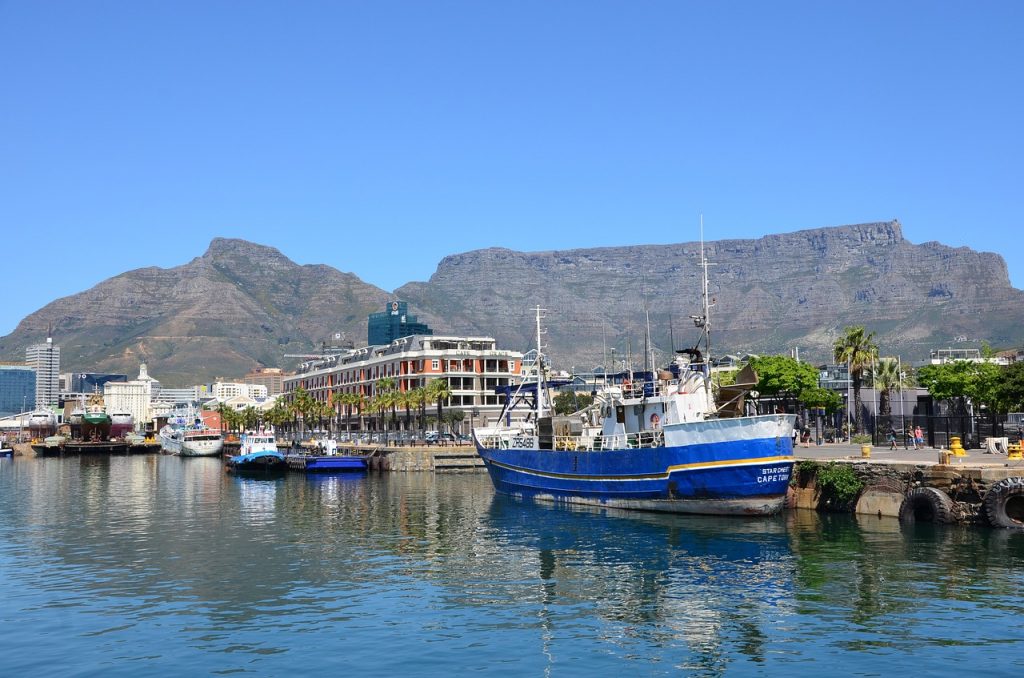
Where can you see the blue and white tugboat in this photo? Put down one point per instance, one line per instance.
(658, 442)
(258, 454)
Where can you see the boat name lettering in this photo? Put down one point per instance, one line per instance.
(773, 474)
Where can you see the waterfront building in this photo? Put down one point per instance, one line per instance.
(178, 396)
(394, 323)
(472, 367)
(45, 360)
(271, 377)
(973, 355)
(225, 390)
(132, 396)
(17, 388)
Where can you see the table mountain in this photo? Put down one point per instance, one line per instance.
(241, 304)
(770, 294)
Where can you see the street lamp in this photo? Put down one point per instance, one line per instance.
(473, 414)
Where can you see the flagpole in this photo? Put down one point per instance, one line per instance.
(903, 424)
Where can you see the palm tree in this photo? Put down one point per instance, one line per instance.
(349, 400)
(857, 349)
(886, 378)
(440, 392)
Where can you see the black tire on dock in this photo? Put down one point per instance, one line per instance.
(1004, 504)
(926, 505)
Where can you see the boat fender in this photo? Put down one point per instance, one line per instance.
(926, 505)
(1003, 505)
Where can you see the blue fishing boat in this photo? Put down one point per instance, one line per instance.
(257, 454)
(656, 441)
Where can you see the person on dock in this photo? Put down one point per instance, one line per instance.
(892, 439)
(918, 438)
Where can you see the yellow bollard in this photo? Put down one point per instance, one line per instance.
(865, 451)
(1013, 452)
(956, 448)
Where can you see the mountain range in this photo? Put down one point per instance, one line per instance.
(241, 305)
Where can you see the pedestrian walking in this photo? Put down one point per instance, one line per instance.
(918, 438)
(892, 439)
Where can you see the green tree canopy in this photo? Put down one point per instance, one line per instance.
(961, 381)
(567, 402)
(784, 377)
(1010, 388)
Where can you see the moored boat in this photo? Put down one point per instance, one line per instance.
(121, 424)
(195, 440)
(258, 453)
(658, 443)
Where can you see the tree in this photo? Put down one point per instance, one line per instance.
(857, 349)
(567, 402)
(439, 391)
(784, 377)
(887, 378)
(1010, 388)
(961, 383)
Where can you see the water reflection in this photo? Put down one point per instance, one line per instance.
(180, 567)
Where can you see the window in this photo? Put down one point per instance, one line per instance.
(435, 365)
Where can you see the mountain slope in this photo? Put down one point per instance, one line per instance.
(241, 304)
(771, 294)
(237, 306)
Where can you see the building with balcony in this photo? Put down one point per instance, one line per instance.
(472, 367)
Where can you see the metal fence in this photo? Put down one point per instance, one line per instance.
(938, 430)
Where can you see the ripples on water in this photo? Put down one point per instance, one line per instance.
(167, 566)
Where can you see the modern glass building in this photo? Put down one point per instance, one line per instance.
(91, 382)
(17, 389)
(394, 323)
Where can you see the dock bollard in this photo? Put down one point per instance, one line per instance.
(944, 457)
(955, 447)
(865, 451)
(1013, 451)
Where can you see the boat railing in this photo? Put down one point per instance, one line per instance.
(622, 441)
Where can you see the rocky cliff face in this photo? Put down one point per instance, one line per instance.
(240, 304)
(237, 306)
(770, 294)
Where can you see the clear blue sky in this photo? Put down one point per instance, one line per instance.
(379, 136)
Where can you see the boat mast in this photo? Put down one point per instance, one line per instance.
(539, 401)
(707, 305)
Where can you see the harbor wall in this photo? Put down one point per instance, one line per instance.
(886, 484)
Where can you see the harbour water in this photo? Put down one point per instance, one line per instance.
(161, 565)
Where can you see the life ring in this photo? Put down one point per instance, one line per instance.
(926, 505)
(1004, 503)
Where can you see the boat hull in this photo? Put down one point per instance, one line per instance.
(736, 466)
(260, 463)
(326, 464)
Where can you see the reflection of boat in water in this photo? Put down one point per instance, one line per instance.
(703, 583)
(257, 454)
(662, 444)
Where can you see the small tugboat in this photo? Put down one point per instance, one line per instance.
(258, 455)
(654, 442)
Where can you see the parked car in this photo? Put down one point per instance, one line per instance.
(435, 438)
